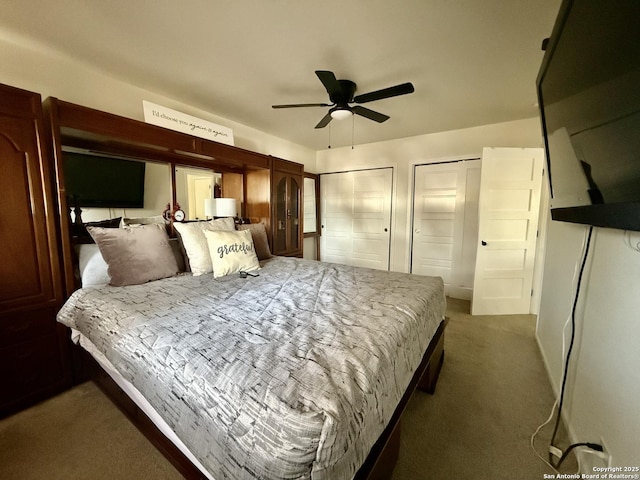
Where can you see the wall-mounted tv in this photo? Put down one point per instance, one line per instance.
(104, 182)
(589, 97)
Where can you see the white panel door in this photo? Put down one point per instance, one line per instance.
(356, 218)
(508, 224)
(202, 189)
(445, 209)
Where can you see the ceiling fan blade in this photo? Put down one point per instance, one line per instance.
(325, 121)
(298, 105)
(370, 114)
(402, 89)
(332, 85)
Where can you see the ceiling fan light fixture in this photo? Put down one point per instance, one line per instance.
(340, 113)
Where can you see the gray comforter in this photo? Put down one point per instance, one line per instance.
(291, 374)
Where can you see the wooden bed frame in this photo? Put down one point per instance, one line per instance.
(379, 464)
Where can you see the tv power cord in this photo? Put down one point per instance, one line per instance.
(553, 450)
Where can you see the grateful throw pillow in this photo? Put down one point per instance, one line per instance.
(195, 244)
(231, 252)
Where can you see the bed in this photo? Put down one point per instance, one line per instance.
(329, 407)
(298, 370)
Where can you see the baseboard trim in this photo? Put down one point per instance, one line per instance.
(462, 293)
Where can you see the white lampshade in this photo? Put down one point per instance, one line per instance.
(209, 207)
(225, 207)
(340, 113)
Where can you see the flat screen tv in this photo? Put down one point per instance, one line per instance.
(589, 97)
(103, 182)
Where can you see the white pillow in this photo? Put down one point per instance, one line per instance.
(195, 243)
(231, 252)
(93, 268)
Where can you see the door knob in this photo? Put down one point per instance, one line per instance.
(483, 243)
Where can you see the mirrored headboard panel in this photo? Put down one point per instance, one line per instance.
(194, 185)
(311, 221)
(100, 187)
(178, 169)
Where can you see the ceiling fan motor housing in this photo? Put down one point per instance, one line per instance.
(346, 93)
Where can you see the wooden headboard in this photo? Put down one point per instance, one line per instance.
(74, 126)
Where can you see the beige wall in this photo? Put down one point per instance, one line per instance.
(604, 378)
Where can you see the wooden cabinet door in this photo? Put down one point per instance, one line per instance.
(27, 228)
(287, 237)
(33, 350)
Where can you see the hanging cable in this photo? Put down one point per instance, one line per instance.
(533, 437)
(574, 280)
(592, 446)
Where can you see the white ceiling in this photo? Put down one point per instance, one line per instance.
(472, 62)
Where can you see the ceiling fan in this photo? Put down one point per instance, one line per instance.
(341, 93)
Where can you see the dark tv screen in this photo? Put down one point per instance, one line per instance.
(589, 97)
(104, 182)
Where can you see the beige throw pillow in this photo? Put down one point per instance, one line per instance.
(260, 240)
(231, 252)
(195, 244)
(135, 255)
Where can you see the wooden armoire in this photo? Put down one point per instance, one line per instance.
(33, 347)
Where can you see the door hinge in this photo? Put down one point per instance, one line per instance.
(532, 292)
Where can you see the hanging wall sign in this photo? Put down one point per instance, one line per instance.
(181, 122)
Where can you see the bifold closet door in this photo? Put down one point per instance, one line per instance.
(356, 217)
(445, 223)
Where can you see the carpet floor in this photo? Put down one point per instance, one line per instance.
(492, 394)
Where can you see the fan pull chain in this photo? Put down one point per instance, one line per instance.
(353, 129)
